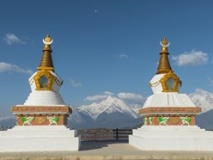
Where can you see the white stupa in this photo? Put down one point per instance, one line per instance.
(42, 118)
(169, 116)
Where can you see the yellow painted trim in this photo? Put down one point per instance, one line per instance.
(176, 84)
(48, 75)
(45, 68)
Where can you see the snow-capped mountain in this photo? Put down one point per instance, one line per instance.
(109, 105)
(202, 99)
(111, 112)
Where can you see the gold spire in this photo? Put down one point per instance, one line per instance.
(46, 60)
(164, 65)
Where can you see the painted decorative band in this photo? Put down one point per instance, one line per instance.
(48, 109)
(167, 110)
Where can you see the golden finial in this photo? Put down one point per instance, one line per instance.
(164, 65)
(47, 42)
(46, 60)
(164, 41)
(47, 39)
(165, 44)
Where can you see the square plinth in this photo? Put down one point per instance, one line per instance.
(39, 138)
(172, 138)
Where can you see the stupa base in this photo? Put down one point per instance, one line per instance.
(39, 138)
(172, 138)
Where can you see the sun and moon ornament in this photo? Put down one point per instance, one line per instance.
(48, 40)
(164, 43)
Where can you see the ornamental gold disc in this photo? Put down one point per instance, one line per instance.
(174, 120)
(41, 120)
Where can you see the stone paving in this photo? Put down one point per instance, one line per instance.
(108, 150)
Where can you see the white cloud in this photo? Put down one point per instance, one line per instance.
(10, 39)
(96, 97)
(6, 67)
(123, 56)
(130, 96)
(108, 93)
(99, 96)
(192, 58)
(75, 84)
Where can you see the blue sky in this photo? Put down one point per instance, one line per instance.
(104, 47)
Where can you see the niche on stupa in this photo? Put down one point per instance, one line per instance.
(170, 82)
(44, 80)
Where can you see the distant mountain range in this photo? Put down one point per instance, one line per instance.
(204, 100)
(114, 112)
(7, 122)
(111, 112)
